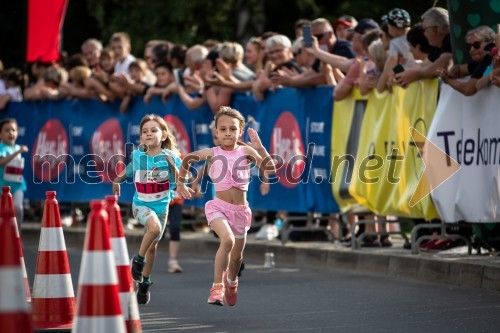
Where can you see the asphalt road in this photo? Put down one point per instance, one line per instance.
(298, 299)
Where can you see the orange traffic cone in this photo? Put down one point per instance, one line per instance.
(128, 299)
(7, 205)
(53, 296)
(14, 311)
(98, 303)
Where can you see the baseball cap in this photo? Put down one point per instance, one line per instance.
(365, 25)
(341, 22)
(399, 18)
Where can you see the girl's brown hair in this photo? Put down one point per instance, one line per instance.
(5, 121)
(227, 111)
(170, 142)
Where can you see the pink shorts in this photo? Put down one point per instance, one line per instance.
(239, 217)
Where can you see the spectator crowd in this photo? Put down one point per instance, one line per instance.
(367, 53)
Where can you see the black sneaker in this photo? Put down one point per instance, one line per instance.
(136, 267)
(143, 294)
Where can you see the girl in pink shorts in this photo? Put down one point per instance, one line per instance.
(228, 214)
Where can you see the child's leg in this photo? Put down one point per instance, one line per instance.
(18, 198)
(236, 258)
(150, 259)
(226, 237)
(153, 231)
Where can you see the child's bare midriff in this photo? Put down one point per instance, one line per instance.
(233, 196)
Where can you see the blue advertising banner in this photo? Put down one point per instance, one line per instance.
(78, 146)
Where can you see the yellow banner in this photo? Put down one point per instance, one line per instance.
(347, 119)
(387, 165)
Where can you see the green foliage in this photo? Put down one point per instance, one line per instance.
(187, 22)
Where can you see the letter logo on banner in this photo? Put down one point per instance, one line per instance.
(180, 133)
(287, 143)
(50, 151)
(107, 148)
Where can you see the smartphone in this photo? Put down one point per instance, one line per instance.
(398, 69)
(178, 77)
(306, 32)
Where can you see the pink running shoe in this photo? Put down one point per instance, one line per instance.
(231, 291)
(216, 294)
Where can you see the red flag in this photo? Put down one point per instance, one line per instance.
(45, 19)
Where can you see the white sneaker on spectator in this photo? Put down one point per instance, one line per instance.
(267, 232)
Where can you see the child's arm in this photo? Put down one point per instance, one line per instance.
(125, 103)
(195, 156)
(257, 152)
(197, 181)
(138, 88)
(190, 102)
(8, 158)
(116, 182)
(4, 99)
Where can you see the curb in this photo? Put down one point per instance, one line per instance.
(465, 271)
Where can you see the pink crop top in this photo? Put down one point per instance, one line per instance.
(229, 169)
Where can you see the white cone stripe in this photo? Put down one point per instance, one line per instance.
(13, 297)
(119, 246)
(23, 267)
(99, 324)
(52, 239)
(53, 286)
(98, 268)
(134, 308)
(125, 304)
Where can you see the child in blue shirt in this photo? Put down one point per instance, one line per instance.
(12, 165)
(154, 171)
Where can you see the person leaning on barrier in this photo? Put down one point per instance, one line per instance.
(351, 79)
(436, 25)
(492, 72)
(278, 50)
(479, 42)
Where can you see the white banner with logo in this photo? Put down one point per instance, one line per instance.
(468, 130)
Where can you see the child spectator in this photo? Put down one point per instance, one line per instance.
(137, 85)
(14, 83)
(399, 23)
(120, 44)
(12, 165)
(76, 88)
(177, 56)
(419, 46)
(163, 72)
(99, 82)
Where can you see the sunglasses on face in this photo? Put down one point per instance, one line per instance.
(320, 36)
(275, 51)
(475, 45)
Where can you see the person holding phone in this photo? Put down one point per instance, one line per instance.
(351, 79)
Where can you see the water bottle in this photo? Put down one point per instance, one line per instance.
(269, 260)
